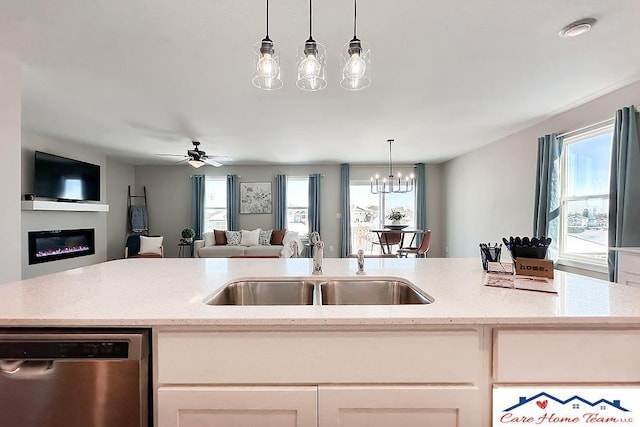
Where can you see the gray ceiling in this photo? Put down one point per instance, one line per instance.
(139, 77)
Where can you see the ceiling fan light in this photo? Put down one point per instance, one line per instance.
(196, 163)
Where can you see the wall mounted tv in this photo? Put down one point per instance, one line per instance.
(65, 179)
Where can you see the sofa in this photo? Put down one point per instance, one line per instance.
(248, 243)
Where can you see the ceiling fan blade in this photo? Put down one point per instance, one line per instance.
(171, 155)
(212, 162)
(220, 158)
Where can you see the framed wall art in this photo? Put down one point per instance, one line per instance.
(255, 197)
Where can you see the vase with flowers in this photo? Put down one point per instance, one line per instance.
(395, 216)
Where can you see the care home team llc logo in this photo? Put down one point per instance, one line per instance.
(563, 406)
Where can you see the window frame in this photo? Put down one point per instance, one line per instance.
(207, 207)
(298, 178)
(567, 258)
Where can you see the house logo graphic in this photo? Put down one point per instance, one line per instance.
(561, 406)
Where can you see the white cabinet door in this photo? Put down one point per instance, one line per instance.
(400, 406)
(237, 406)
(629, 268)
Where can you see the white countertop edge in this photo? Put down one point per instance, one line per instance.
(597, 321)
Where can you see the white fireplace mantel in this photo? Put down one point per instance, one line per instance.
(49, 205)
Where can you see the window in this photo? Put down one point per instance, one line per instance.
(298, 204)
(215, 203)
(369, 211)
(585, 166)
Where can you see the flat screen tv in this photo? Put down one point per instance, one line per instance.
(65, 179)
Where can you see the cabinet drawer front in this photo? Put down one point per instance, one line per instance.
(237, 406)
(402, 406)
(566, 356)
(319, 357)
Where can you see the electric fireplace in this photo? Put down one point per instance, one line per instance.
(53, 245)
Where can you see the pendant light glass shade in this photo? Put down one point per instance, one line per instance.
(266, 65)
(311, 62)
(355, 59)
(311, 66)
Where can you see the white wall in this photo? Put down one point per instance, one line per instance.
(119, 177)
(489, 193)
(169, 198)
(10, 123)
(59, 220)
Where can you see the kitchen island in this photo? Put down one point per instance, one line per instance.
(433, 364)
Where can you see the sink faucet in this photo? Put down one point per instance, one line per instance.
(360, 262)
(318, 249)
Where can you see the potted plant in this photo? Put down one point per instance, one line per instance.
(188, 234)
(395, 216)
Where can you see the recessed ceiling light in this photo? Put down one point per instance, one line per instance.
(577, 28)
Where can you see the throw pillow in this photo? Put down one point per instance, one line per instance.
(277, 236)
(151, 245)
(233, 237)
(250, 238)
(208, 238)
(265, 237)
(220, 237)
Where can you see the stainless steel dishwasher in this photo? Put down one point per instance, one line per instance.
(74, 378)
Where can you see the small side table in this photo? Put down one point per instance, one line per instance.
(183, 252)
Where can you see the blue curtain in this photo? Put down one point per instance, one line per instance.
(233, 203)
(624, 187)
(345, 210)
(314, 203)
(546, 214)
(197, 204)
(281, 203)
(421, 199)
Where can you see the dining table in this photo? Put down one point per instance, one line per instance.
(383, 233)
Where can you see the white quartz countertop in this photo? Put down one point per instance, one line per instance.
(169, 292)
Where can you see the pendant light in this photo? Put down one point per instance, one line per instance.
(267, 63)
(391, 184)
(356, 64)
(311, 63)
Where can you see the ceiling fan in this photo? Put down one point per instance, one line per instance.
(197, 158)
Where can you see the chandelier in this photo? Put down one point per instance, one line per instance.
(392, 184)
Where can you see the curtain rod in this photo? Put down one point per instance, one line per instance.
(595, 125)
(586, 128)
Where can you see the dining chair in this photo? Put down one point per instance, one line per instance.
(419, 251)
(387, 240)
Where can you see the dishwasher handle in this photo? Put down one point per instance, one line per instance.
(26, 368)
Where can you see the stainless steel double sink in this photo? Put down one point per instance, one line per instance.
(319, 291)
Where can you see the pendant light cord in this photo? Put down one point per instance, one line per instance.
(355, 17)
(310, 13)
(267, 18)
